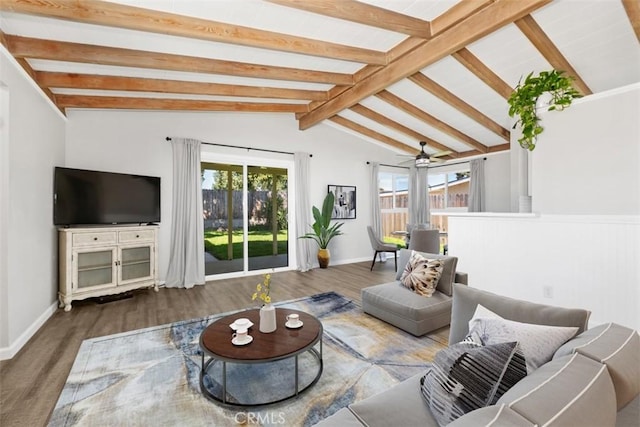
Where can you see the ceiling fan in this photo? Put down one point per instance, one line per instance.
(423, 159)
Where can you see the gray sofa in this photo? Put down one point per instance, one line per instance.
(408, 311)
(592, 380)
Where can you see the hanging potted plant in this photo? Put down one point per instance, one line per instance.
(323, 230)
(524, 99)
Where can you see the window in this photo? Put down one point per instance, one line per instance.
(245, 214)
(394, 191)
(448, 192)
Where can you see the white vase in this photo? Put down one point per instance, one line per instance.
(544, 101)
(267, 318)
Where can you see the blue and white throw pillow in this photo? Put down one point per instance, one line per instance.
(465, 377)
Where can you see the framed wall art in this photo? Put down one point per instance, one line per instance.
(344, 206)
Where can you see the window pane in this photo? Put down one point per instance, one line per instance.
(436, 191)
(458, 190)
(393, 204)
(223, 218)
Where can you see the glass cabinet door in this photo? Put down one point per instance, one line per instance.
(136, 263)
(95, 268)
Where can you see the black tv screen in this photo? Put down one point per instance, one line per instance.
(94, 197)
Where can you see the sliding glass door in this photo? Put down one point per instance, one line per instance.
(245, 214)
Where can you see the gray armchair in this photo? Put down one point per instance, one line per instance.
(379, 246)
(425, 241)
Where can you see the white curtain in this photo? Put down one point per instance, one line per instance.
(412, 203)
(376, 217)
(304, 254)
(421, 206)
(186, 258)
(476, 188)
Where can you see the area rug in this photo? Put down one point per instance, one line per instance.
(151, 376)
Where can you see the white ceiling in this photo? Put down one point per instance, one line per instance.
(595, 36)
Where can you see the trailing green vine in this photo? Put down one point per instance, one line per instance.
(523, 101)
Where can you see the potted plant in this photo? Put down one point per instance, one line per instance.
(524, 98)
(323, 230)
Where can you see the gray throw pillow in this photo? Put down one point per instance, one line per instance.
(538, 342)
(465, 377)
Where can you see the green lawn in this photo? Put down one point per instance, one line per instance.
(260, 243)
(400, 243)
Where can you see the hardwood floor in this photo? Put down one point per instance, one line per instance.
(31, 382)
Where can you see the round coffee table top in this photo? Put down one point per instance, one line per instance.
(279, 344)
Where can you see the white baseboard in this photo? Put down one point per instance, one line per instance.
(14, 348)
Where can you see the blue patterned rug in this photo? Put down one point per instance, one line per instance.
(151, 376)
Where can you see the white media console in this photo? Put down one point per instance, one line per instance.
(99, 261)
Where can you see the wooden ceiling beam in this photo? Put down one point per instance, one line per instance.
(457, 13)
(110, 14)
(551, 53)
(101, 82)
(430, 120)
(391, 124)
(480, 24)
(24, 47)
(371, 133)
(484, 73)
(130, 103)
(30, 71)
(492, 149)
(363, 13)
(632, 7)
(431, 86)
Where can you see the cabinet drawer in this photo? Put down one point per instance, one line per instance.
(131, 236)
(97, 238)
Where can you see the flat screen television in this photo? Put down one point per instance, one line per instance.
(84, 197)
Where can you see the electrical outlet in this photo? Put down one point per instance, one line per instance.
(547, 291)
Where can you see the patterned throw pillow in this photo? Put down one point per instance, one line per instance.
(421, 274)
(538, 342)
(465, 377)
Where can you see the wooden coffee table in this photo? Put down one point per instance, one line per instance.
(283, 343)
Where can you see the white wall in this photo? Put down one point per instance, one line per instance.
(583, 242)
(586, 160)
(36, 135)
(134, 142)
(586, 261)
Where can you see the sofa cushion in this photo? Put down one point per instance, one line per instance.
(492, 416)
(617, 347)
(569, 391)
(421, 274)
(401, 405)
(465, 377)
(538, 342)
(445, 284)
(343, 418)
(466, 299)
(404, 309)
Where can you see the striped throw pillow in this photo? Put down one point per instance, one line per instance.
(465, 377)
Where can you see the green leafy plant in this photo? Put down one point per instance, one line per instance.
(323, 230)
(523, 101)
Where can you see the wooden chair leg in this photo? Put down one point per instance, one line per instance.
(374, 260)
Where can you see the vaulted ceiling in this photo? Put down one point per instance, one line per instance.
(395, 72)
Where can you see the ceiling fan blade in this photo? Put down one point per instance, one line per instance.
(441, 153)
